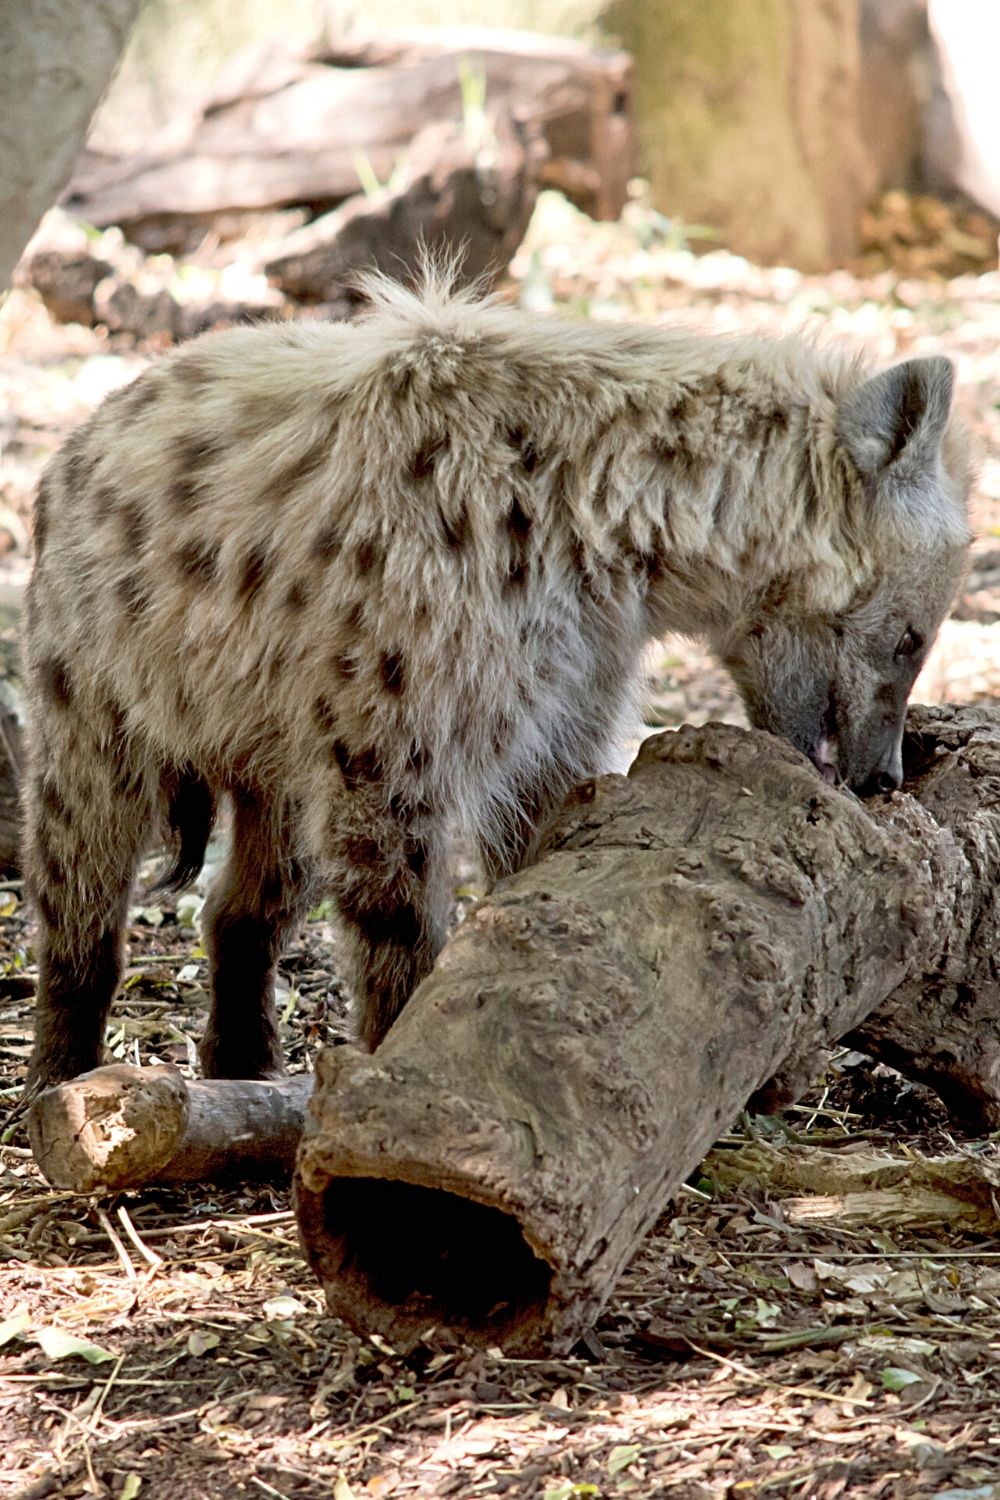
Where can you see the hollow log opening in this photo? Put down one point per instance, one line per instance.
(432, 1257)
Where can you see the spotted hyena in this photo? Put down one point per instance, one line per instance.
(366, 581)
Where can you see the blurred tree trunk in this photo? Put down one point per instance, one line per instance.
(748, 121)
(56, 58)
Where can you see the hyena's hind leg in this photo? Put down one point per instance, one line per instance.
(89, 811)
(258, 900)
(388, 862)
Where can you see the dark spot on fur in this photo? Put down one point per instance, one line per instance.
(78, 465)
(517, 573)
(190, 371)
(141, 393)
(297, 596)
(326, 543)
(50, 798)
(41, 514)
(298, 472)
(518, 521)
(503, 732)
(255, 570)
(55, 874)
(418, 757)
(55, 680)
(363, 850)
(183, 494)
(346, 666)
(198, 561)
(392, 672)
(602, 488)
(416, 856)
(107, 500)
(358, 770)
(369, 557)
(133, 595)
(527, 453)
(455, 528)
(325, 715)
(135, 526)
(422, 464)
(354, 617)
(197, 451)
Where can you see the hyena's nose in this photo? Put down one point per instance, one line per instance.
(887, 776)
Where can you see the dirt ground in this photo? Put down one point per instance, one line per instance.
(769, 1340)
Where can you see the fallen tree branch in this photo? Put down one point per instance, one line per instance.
(124, 1126)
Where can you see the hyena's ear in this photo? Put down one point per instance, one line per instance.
(896, 420)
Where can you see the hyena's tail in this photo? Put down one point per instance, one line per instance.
(189, 806)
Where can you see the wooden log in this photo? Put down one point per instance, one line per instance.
(459, 196)
(124, 1126)
(942, 1027)
(284, 130)
(688, 932)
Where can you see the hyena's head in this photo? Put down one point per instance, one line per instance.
(828, 654)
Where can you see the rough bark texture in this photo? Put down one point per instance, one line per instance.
(123, 1126)
(943, 1027)
(56, 59)
(688, 932)
(282, 130)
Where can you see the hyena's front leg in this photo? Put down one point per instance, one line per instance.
(256, 903)
(88, 812)
(507, 846)
(389, 882)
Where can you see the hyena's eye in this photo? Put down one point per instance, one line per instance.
(909, 644)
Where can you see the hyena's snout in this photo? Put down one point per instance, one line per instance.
(882, 768)
(873, 766)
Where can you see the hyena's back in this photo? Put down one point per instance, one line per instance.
(291, 537)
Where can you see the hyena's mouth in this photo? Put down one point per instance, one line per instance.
(824, 758)
(825, 755)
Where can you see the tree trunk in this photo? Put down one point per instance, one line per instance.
(687, 933)
(56, 60)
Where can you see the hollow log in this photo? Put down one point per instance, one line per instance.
(124, 1126)
(688, 932)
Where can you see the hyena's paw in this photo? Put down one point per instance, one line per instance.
(241, 1057)
(58, 1060)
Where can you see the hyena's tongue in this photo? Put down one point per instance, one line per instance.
(825, 760)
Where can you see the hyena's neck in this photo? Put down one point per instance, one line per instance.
(722, 500)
